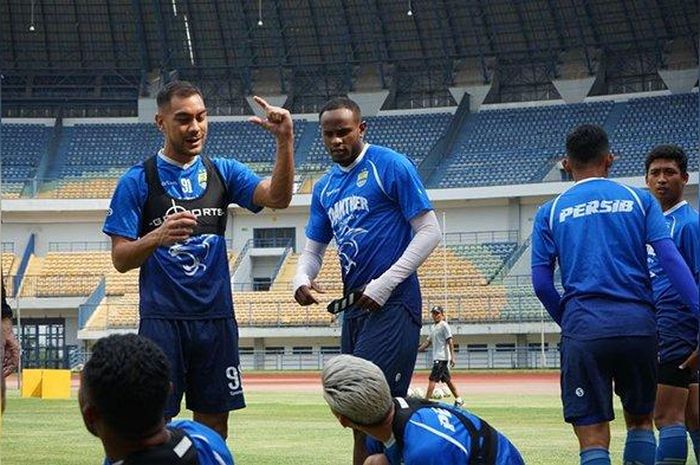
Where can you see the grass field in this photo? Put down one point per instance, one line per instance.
(288, 428)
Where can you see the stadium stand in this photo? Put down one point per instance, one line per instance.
(465, 289)
(7, 264)
(413, 135)
(514, 145)
(96, 155)
(24, 145)
(493, 147)
(647, 122)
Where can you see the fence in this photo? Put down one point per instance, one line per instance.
(480, 237)
(520, 357)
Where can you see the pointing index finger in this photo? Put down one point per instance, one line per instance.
(261, 102)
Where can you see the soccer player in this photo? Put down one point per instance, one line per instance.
(677, 392)
(124, 388)
(414, 431)
(597, 232)
(374, 205)
(168, 216)
(441, 340)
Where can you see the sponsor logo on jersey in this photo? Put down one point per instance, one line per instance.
(342, 216)
(198, 212)
(346, 207)
(202, 179)
(362, 178)
(595, 207)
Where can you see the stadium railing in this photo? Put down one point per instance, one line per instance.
(80, 246)
(533, 356)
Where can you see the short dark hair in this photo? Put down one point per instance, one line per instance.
(667, 152)
(337, 103)
(176, 88)
(587, 143)
(127, 380)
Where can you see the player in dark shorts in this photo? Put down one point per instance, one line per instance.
(168, 218)
(676, 408)
(443, 355)
(597, 232)
(373, 204)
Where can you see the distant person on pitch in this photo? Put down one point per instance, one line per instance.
(443, 353)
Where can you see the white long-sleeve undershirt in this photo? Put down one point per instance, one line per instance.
(426, 237)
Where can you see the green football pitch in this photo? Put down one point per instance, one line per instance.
(288, 428)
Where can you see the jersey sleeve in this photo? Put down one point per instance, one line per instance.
(404, 185)
(689, 246)
(544, 251)
(318, 227)
(240, 181)
(124, 214)
(656, 227)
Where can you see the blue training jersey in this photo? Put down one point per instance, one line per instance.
(677, 326)
(597, 231)
(368, 211)
(209, 446)
(190, 279)
(435, 436)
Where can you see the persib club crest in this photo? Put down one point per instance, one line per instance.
(202, 179)
(362, 178)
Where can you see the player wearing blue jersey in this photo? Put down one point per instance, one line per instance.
(168, 216)
(124, 388)
(374, 205)
(597, 231)
(408, 431)
(677, 393)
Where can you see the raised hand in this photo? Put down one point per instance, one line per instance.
(277, 120)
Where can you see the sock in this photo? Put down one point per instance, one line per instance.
(595, 456)
(673, 445)
(695, 437)
(640, 447)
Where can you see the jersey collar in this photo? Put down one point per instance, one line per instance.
(167, 159)
(589, 179)
(675, 207)
(347, 169)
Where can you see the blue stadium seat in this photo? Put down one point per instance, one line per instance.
(649, 122)
(515, 145)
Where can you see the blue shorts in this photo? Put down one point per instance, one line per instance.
(388, 337)
(589, 368)
(204, 362)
